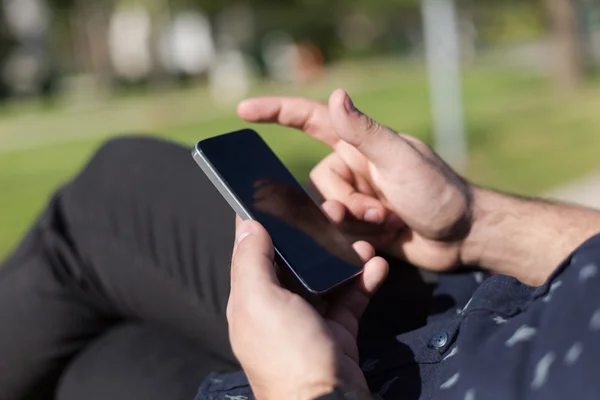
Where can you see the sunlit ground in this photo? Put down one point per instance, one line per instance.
(523, 136)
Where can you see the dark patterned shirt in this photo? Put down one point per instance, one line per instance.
(506, 341)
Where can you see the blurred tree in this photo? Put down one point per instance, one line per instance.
(80, 26)
(320, 22)
(509, 23)
(565, 24)
(5, 45)
(568, 41)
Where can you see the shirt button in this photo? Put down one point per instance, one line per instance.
(439, 340)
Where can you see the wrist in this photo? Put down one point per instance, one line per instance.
(491, 216)
(523, 238)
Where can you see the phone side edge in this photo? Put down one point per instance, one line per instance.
(341, 283)
(219, 183)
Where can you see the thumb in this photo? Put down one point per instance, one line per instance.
(252, 263)
(379, 144)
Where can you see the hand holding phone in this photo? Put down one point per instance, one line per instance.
(269, 328)
(258, 186)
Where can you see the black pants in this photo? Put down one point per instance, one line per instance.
(119, 290)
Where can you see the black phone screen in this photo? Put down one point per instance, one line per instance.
(317, 252)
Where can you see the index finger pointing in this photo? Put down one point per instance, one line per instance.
(306, 115)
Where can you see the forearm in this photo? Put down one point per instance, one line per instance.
(525, 238)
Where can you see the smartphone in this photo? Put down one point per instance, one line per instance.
(258, 186)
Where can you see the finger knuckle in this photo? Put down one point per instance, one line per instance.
(418, 145)
(355, 203)
(316, 174)
(371, 125)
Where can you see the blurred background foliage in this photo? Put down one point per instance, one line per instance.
(74, 73)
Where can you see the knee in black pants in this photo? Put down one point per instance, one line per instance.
(134, 164)
(132, 170)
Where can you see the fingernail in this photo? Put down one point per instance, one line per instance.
(241, 105)
(242, 234)
(372, 215)
(350, 107)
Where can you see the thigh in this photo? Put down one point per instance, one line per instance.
(134, 361)
(44, 322)
(154, 237)
(140, 235)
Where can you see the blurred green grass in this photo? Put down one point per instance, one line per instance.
(524, 137)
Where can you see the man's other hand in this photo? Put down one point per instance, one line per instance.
(389, 189)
